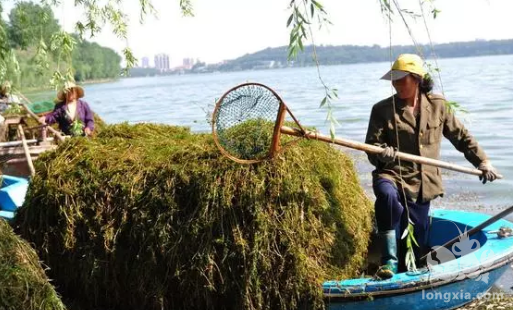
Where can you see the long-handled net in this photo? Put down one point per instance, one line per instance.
(248, 122)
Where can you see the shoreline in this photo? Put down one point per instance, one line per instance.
(32, 90)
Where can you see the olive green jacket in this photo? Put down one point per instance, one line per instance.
(422, 139)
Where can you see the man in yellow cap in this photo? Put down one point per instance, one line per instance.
(412, 121)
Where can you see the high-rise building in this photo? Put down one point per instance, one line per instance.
(145, 62)
(188, 63)
(162, 62)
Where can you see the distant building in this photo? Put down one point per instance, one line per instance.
(162, 62)
(145, 62)
(188, 63)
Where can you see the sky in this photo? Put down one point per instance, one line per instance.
(227, 29)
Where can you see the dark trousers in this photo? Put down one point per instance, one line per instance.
(391, 215)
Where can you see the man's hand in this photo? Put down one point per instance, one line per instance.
(489, 172)
(387, 156)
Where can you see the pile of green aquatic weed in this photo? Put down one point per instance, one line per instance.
(154, 217)
(250, 140)
(23, 283)
(99, 123)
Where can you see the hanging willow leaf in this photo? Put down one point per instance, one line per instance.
(410, 242)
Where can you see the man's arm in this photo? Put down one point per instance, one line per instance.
(462, 140)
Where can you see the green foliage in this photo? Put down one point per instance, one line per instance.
(41, 58)
(31, 23)
(454, 107)
(147, 8)
(13, 109)
(300, 20)
(303, 11)
(349, 54)
(409, 235)
(186, 7)
(130, 60)
(89, 61)
(77, 128)
(49, 55)
(93, 62)
(154, 217)
(110, 13)
(330, 95)
(9, 66)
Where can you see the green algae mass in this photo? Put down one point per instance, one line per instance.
(23, 283)
(154, 217)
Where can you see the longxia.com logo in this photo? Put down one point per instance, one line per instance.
(463, 296)
(475, 258)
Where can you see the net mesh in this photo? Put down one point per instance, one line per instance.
(244, 121)
(42, 107)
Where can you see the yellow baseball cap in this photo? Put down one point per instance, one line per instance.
(404, 65)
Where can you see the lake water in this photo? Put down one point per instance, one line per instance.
(482, 85)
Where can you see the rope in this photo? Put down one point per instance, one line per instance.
(435, 58)
(410, 32)
(406, 207)
(395, 121)
(416, 45)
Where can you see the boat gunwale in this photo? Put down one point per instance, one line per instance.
(417, 286)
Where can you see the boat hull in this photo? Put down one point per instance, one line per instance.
(455, 277)
(12, 195)
(449, 296)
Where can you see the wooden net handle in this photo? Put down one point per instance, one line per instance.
(377, 150)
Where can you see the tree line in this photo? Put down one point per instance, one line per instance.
(30, 32)
(347, 54)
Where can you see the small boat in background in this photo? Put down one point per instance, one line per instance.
(16, 156)
(13, 158)
(455, 277)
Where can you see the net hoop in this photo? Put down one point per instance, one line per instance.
(278, 122)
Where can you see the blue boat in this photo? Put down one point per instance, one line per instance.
(452, 279)
(12, 195)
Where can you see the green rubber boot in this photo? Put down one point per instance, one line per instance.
(388, 254)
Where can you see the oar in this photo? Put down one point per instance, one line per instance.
(470, 232)
(26, 149)
(377, 150)
(34, 116)
(18, 143)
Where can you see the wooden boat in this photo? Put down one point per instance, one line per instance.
(13, 159)
(456, 277)
(16, 156)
